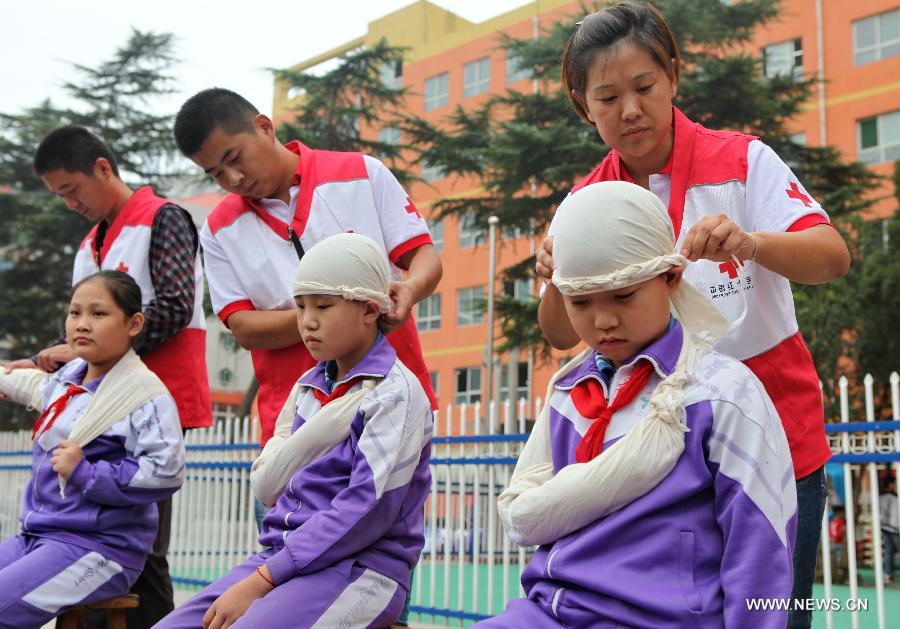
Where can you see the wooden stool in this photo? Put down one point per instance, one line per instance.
(115, 608)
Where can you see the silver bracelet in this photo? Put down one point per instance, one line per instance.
(755, 246)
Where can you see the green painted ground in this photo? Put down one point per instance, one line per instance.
(867, 619)
(450, 598)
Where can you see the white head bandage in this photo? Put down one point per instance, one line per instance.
(614, 234)
(609, 236)
(351, 266)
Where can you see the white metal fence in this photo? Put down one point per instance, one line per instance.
(469, 569)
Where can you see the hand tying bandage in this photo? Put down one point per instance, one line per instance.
(609, 236)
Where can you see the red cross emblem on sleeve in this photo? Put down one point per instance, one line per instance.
(122, 267)
(411, 208)
(794, 193)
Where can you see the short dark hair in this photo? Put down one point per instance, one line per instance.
(206, 110)
(71, 148)
(122, 288)
(638, 22)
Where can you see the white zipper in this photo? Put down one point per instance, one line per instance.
(614, 384)
(34, 492)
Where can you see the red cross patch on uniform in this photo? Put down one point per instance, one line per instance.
(731, 268)
(794, 193)
(411, 208)
(122, 267)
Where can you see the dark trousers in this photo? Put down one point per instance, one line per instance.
(891, 543)
(811, 493)
(154, 585)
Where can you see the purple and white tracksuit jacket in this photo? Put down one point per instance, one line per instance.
(716, 532)
(92, 543)
(342, 538)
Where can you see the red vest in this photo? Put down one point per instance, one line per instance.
(180, 362)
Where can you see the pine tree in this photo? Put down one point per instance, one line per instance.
(337, 108)
(38, 235)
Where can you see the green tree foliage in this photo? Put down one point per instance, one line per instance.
(336, 106)
(38, 235)
(529, 148)
(117, 100)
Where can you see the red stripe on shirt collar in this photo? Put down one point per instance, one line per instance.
(303, 199)
(679, 170)
(133, 202)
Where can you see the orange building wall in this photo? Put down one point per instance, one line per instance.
(452, 346)
(851, 93)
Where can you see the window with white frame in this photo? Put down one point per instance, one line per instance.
(436, 228)
(470, 305)
(437, 91)
(389, 135)
(392, 74)
(785, 58)
(876, 37)
(435, 381)
(477, 77)
(468, 385)
(878, 138)
(428, 314)
(431, 172)
(514, 70)
(512, 233)
(468, 232)
(519, 289)
(522, 383)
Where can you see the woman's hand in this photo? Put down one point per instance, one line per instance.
(718, 238)
(543, 268)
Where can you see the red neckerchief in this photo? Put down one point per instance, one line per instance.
(338, 391)
(54, 410)
(589, 400)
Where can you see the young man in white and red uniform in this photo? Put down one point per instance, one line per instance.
(155, 242)
(284, 199)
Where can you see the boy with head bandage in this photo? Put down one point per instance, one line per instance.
(657, 480)
(346, 470)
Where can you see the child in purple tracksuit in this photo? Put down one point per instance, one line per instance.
(710, 532)
(89, 542)
(348, 525)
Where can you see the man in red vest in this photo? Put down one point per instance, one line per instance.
(155, 242)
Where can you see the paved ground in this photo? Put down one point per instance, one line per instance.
(841, 619)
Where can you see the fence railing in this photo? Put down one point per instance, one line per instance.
(469, 569)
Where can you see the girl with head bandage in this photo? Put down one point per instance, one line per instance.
(657, 480)
(346, 472)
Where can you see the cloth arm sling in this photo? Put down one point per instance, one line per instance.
(286, 453)
(22, 386)
(125, 387)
